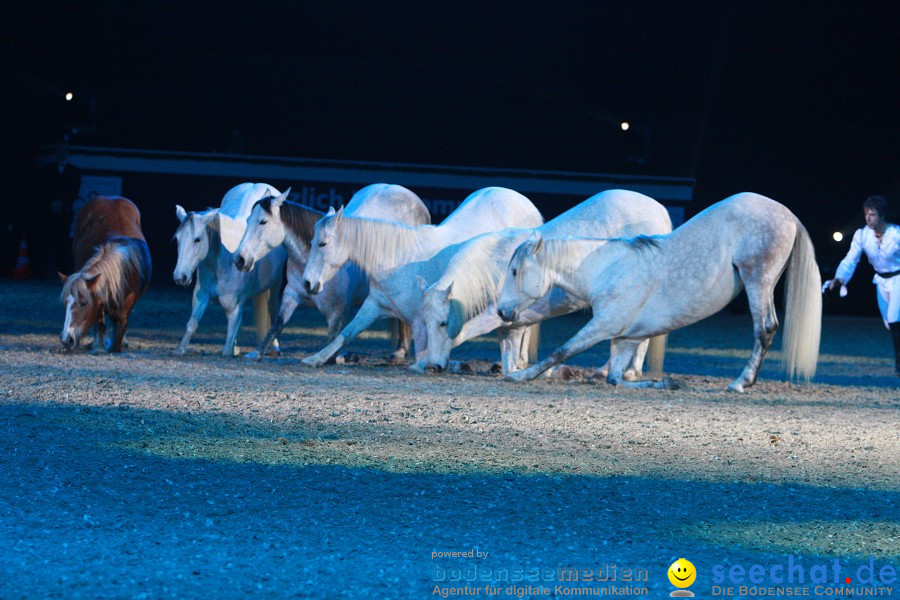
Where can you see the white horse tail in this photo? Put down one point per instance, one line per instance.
(261, 315)
(533, 339)
(656, 353)
(803, 314)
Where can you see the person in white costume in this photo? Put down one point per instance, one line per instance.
(880, 240)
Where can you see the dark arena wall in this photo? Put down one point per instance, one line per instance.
(157, 181)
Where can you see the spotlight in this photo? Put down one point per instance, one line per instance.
(625, 125)
(69, 96)
(838, 236)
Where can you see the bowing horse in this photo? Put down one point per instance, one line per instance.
(645, 286)
(113, 270)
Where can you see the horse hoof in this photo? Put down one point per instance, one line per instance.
(346, 358)
(630, 375)
(736, 387)
(563, 372)
(179, 351)
(311, 361)
(457, 367)
(667, 383)
(517, 377)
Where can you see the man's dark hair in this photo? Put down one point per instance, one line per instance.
(878, 203)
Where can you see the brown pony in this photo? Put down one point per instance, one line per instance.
(113, 263)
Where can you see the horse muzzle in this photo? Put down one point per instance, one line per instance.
(68, 341)
(312, 288)
(507, 314)
(182, 280)
(243, 264)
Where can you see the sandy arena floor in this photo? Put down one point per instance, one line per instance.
(147, 475)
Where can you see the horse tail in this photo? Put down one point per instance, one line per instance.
(656, 353)
(533, 337)
(803, 313)
(261, 315)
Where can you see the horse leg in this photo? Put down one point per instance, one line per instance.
(368, 313)
(592, 333)
(765, 324)
(120, 322)
(289, 301)
(420, 340)
(234, 310)
(99, 344)
(636, 367)
(198, 307)
(403, 334)
(512, 340)
(262, 318)
(621, 363)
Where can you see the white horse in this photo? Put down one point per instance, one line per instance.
(462, 304)
(276, 223)
(394, 255)
(645, 286)
(206, 244)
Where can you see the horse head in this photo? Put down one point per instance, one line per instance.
(526, 279)
(192, 237)
(327, 254)
(444, 317)
(265, 231)
(83, 307)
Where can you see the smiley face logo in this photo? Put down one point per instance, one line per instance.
(682, 573)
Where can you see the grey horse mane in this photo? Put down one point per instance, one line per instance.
(299, 219)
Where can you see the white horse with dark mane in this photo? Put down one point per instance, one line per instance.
(276, 222)
(646, 286)
(462, 304)
(207, 242)
(394, 256)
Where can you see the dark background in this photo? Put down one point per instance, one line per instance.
(797, 101)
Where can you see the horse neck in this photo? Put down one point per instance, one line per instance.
(564, 260)
(379, 247)
(477, 272)
(115, 265)
(299, 223)
(216, 254)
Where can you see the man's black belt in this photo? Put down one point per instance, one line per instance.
(887, 275)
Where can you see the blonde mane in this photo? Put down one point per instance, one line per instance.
(474, 288)
(377, 245)
(112, 265)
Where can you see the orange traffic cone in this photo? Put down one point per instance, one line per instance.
(23, 265)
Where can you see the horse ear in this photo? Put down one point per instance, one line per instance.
(538, 244)
(277, 202)
(449, 291)
(90, 279)
(180, 213)
(339, 215)
(330, 211)
(422, 283)
(62, 278)
(455, 318)
(207, 217)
